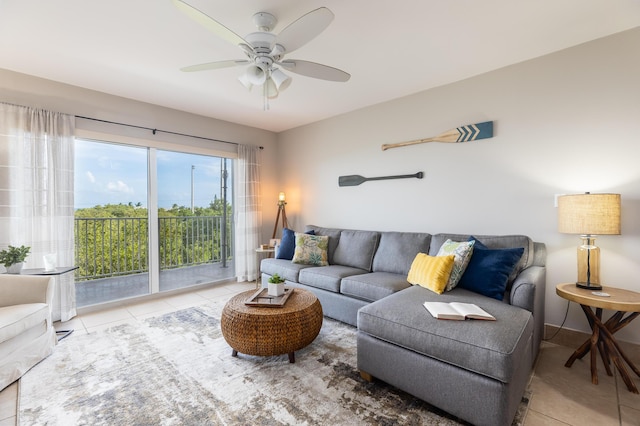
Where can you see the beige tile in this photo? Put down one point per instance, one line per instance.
(185, 300)
(149, 307)
(538, 419)
(626, 397)
(73, 324)
(10, 421)
(629, 416)
(8, 402)
(216, 292)
(107, 316)
(567, 394)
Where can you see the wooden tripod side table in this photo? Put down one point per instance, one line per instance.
(602, 334)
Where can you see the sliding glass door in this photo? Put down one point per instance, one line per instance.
(194, 219)
(111, 222)
(149, 220)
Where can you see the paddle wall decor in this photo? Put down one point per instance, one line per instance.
(470, 132)
(355, 180)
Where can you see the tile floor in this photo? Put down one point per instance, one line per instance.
(560, 395)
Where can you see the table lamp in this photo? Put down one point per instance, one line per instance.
(589, 215)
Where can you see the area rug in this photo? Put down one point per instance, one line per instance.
(177, 369)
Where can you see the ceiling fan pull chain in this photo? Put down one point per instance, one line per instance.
(266, 97)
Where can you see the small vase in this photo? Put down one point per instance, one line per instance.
(15, 268)
(275, 289)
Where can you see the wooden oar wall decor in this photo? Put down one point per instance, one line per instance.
(470, 132)
(355, 180)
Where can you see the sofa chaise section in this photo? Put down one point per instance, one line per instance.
(476, 370)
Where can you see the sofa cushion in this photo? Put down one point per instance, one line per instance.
(356, 249)
(311, 250)
(492, 348)
(288, 270)
(431, 272)
(462, 252)
(16, 319)
(373, 286)
(327, 277)
(334, 238)
(397, 250)
(489, 270)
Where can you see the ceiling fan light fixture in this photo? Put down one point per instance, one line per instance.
(245, 81)
(270, 89)
(280, 79)
(255, 75)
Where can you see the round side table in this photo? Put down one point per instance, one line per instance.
(261, 331)
(602, 334)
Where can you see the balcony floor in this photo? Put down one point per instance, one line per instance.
(104, 290)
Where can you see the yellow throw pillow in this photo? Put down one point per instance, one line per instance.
(431, 272)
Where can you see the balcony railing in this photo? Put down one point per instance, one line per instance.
(110, 247)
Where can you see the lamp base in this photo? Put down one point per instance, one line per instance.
(589, 286)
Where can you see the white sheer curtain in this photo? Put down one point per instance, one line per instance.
(36, 192)
(248, 212)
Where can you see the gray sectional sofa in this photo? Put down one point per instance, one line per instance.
(475, 370)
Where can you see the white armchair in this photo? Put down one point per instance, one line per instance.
(27, 335)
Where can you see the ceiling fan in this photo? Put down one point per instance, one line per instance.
(265, 50)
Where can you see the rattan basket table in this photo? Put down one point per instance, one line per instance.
(261, 331)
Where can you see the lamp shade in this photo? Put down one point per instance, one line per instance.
(281, 80)
(589, 214)
(255, 75)
(245, 81)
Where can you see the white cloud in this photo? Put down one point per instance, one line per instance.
(119, 186)
(91, 177)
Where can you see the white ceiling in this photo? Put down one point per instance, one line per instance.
(135, 48)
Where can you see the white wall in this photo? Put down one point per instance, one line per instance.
(568, 122)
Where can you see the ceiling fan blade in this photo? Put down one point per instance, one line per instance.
(312, 69)
(214, 65)
(209, 23)
(304, 29)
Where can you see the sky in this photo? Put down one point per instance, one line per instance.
(112, 174)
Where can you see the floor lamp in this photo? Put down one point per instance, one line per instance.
(281, 213)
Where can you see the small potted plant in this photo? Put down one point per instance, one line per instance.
(13, 258)
(275, 286)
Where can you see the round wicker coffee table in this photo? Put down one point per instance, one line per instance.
(261, 331)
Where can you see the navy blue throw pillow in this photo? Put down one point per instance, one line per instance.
(288, 244)
(489, 270)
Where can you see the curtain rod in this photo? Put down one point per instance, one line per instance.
(154, 131)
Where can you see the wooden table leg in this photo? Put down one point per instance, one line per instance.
(602, 334)
(595, 337)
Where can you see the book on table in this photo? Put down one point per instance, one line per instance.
(457, 311)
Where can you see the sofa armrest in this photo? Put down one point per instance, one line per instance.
(528, 292)
(21, 289)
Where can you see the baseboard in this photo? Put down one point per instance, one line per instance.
(574, 338)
